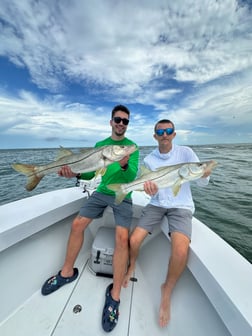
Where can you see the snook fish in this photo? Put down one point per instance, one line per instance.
(96, 159)
(167, 176)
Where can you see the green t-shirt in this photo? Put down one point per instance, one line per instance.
(114, 172)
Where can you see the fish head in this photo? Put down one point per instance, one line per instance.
(196, 170)
(208, 166)
(117, 152)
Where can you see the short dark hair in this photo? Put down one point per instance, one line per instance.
(164, 121)
(120, 108)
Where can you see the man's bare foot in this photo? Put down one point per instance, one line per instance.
(164, 310)
(128, 276)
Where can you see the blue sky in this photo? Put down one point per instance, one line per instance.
(65, 64)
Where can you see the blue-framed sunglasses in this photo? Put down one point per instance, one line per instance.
(161, 132)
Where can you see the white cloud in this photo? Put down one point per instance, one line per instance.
(43, 119)
(190, 61)
(125, 42)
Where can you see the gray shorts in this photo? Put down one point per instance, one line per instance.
(179, 220)
(97, 203)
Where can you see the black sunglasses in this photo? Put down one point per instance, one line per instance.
(117, 120)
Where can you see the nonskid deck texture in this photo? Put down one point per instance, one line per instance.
(192, 313)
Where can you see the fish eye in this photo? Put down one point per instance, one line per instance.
(117, 149)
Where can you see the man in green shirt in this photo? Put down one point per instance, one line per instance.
(118, 172)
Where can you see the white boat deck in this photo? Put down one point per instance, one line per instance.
(53, 315)
(211, 298)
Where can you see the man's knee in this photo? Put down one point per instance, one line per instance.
(80, 223)
(137, 237)
(181, 251)
(180, 245)
(122, 237)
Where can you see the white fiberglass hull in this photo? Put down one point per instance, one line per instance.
(213, 297)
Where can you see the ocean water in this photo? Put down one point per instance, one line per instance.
(224, 205)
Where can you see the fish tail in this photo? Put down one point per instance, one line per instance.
(119, 194)
(25, 169)
(30, 171)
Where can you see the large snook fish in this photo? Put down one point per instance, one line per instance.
(167, 176)
(96, 159)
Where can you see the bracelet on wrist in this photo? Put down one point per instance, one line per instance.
(125, 166)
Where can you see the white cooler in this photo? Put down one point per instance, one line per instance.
(101, 258)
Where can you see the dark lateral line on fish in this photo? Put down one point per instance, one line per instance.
(175, 167)
(152, 179)
(70, 163)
